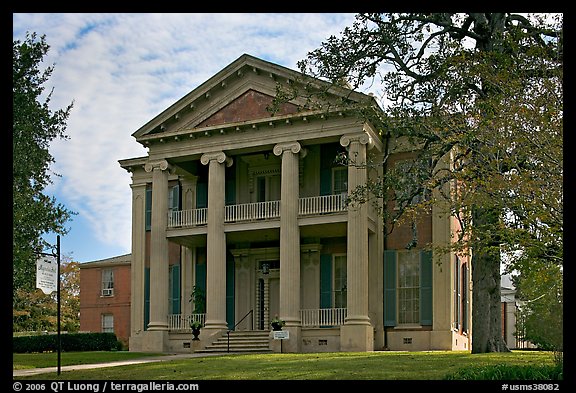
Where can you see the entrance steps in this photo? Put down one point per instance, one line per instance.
(256, 341)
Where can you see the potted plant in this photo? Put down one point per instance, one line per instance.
(195, 326)
(277, 323)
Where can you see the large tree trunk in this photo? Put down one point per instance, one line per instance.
(486, 303)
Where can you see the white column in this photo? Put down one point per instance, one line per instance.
(357, 333)
(159, 246)
(290, 243)
(289, 234)
(216, 241)
(137, 259)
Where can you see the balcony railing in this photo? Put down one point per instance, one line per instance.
(252, 211)
(181, 322)
(259, 211)
(322, 317)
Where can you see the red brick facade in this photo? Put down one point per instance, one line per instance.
(93, 305)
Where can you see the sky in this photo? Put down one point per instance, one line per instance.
(121, 70)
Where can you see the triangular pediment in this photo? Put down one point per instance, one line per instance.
(241, 92)
(251, 105)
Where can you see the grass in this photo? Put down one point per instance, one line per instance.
(21, 361)
(433, 365)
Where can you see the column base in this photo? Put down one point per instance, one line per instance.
(154, 341)
(356, 338)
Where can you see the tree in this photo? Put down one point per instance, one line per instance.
(484, 89)
(37, 311)
(34, 127)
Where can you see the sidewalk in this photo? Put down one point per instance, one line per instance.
(164, 358)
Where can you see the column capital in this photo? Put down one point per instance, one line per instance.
(219, 156)
(160, 164)
(294, 147)
(361, 137)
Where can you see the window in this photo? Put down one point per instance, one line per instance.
(107, 323)
(460, 296)
(268, 188)
(464, 297)
(409, 287)
(339, 180)
(339, 279)
(107, 282)
(457, 293)
(410, 178)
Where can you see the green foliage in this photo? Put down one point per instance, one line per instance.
(478, 98)
(35, 126)
(36, 311)
(198, 297)
(541, 312)
(505, 372)
(68, 342)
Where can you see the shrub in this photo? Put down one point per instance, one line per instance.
(68, 342)
(509, 372)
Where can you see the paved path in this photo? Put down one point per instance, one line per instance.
(150, 359)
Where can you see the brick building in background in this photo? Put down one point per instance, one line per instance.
(105, 296)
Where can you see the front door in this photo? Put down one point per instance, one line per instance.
(268, 293)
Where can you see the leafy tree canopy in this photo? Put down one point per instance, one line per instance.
(34, 126)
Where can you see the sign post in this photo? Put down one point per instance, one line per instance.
(48, 280)
(281, 335)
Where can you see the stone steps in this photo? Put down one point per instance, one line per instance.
(256, 341)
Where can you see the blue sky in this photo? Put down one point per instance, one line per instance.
(121, 70)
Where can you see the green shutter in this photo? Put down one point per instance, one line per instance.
(175, 290)
(201, 276)
(201, 195)
(426, 288)
(325, 181)
(230, 291)
(390, 288)
(325, 281)
(148, 207)
(146, 297)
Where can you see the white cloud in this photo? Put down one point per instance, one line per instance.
(121, 70)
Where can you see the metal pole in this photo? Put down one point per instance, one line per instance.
(58, 299)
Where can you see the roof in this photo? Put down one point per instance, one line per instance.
(125, 259)
(235, 79)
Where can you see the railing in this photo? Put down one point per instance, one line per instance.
(181, 322)
(322, 204)
(238, 323)
(192, 217)
(323, 317)
(259, 211)
(252, 211)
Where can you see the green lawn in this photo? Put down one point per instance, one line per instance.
(434, 365)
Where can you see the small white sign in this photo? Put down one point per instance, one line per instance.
(281, 334)
(47, 274)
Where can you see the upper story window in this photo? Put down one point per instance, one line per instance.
(173, 202)
(339, 180)
(107, 282)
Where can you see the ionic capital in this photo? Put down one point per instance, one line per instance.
(159, 164)
(361, 137)
(294, 147)
(219, 156)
